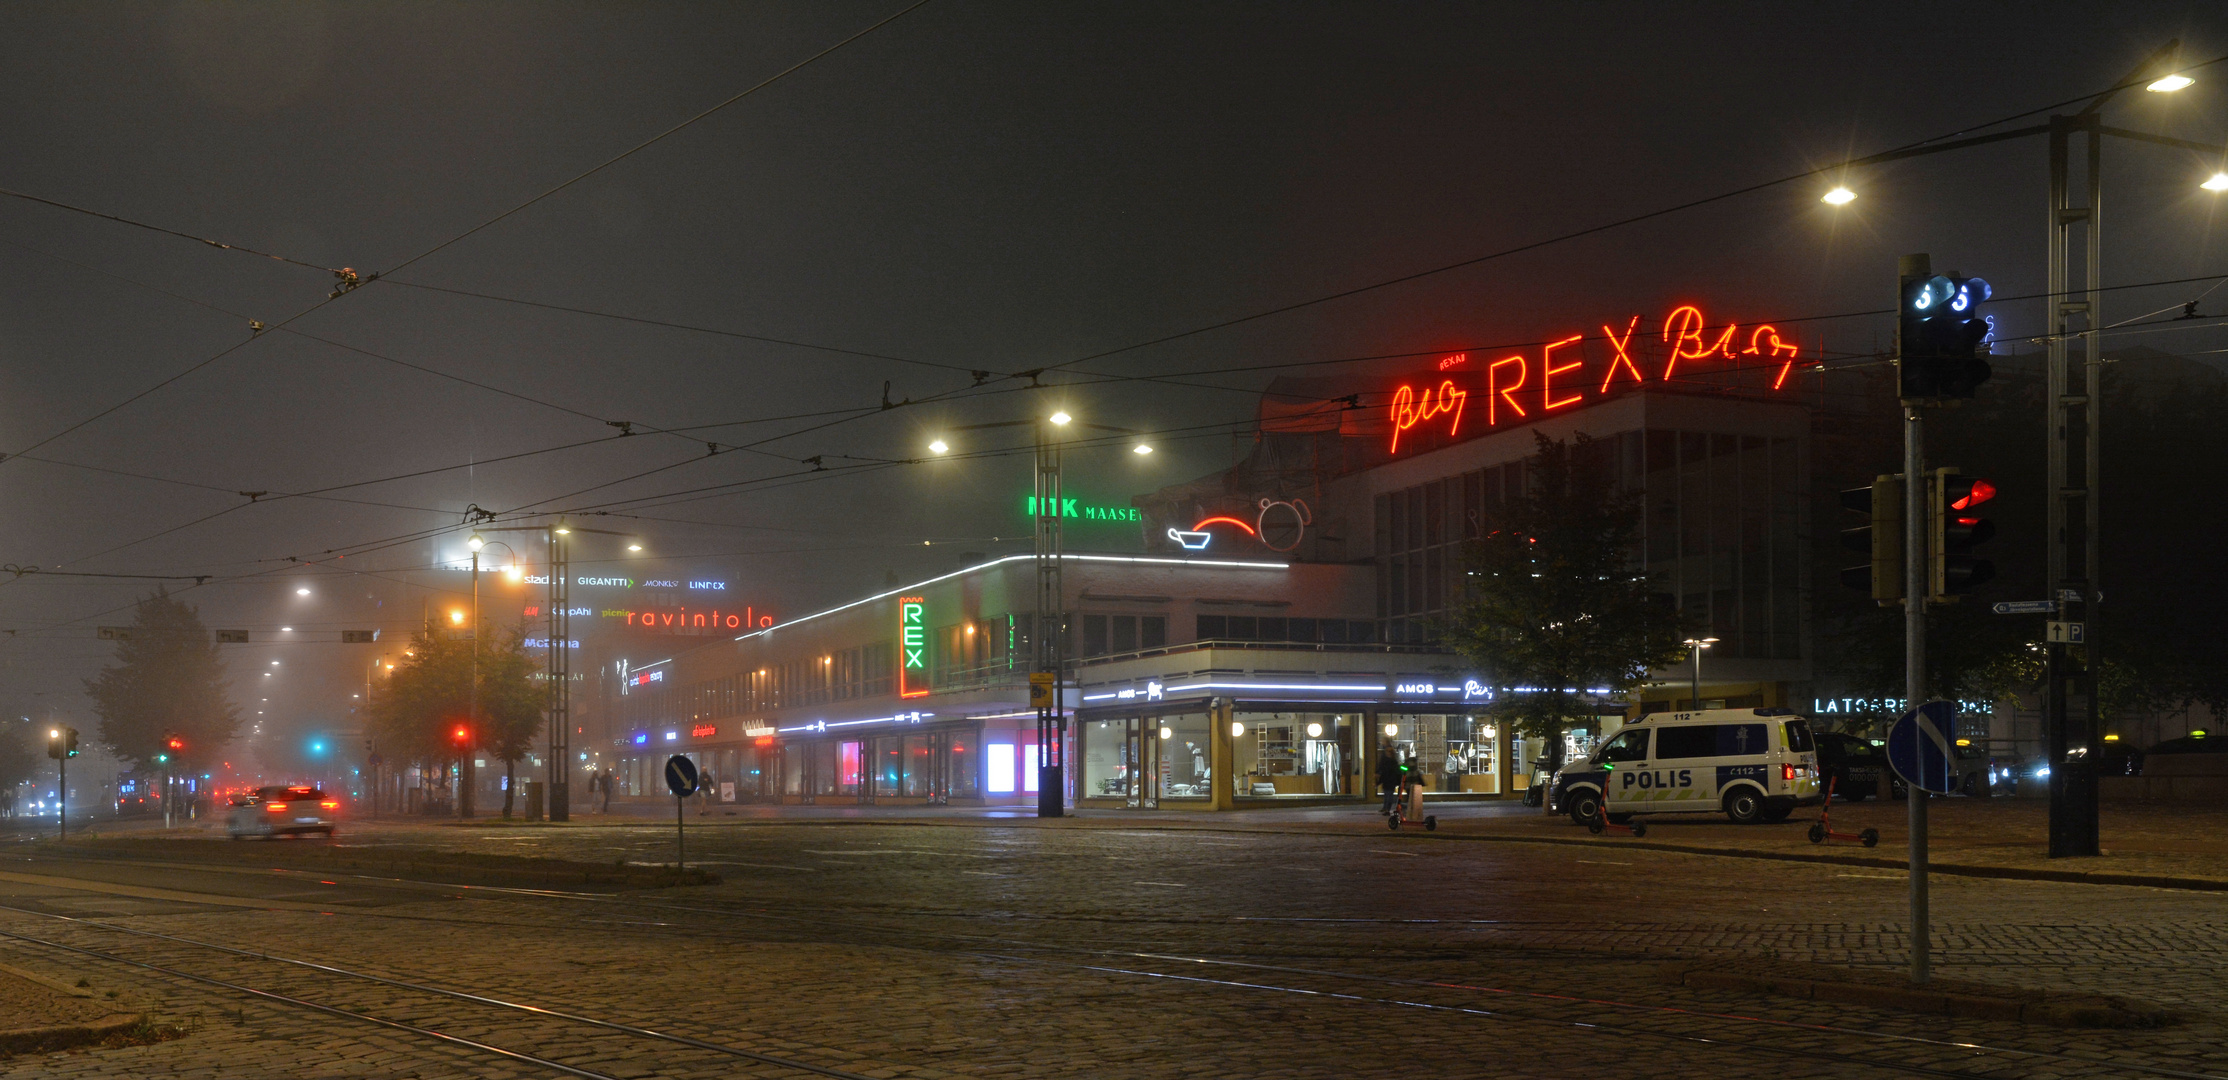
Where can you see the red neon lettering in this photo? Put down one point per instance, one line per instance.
(668, 620)
(1757, 347)
(1409, 410)
(765, 620)
(1548, 371)
(1457, 360)
(1689, 320)
(1202, 526)
(734, 621)
(700, 620)
(1495, 393)
(1623, 357)
(630, 618)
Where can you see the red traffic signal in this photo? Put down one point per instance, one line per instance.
(1955, 532)
(176, 743)
(462, 735)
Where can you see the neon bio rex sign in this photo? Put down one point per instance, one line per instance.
(1688, 350)
(912, 647)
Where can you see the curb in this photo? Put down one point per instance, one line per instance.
(64, 1036)
(1952, 999)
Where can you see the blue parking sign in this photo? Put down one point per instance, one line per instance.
(1921, 747)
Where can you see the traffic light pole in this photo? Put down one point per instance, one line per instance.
(1914, 664)
(2075, 399)
(62, 792)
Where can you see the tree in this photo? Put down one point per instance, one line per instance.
(168, 680)
(1557, 606)
(427, 697)
(20, 761)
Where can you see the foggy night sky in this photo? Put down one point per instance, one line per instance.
(988, 186)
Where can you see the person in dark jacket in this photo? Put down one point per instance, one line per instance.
(1390, 776)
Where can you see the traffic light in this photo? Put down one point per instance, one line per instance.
(55, 747)
(462, 736)
(1953, 529)
(1941, 336)
(1882, 538)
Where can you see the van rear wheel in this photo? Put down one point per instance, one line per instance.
(1745, 806)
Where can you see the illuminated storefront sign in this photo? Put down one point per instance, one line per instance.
(682, 620)
(1083, 511)
(912, 646)
(703, 731)
(644, 678)
(1525, 386)
(543, 643)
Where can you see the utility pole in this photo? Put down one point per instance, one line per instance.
(1051, 623)
(2075, 398)
(467, 777)
(1915, 565)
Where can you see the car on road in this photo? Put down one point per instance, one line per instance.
(281, 811)
(1755, 765)
(1850, 765)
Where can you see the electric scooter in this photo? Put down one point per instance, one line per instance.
(1822, 829)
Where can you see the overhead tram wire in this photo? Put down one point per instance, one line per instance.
(350, 285)
(1608, 226)
(165, 230)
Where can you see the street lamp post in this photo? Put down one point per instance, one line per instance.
(1046, 510)
(465, 770)
(1694, 647)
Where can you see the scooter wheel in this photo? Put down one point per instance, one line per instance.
(1393, 823)
(1871, 837)
(1431, 824)
(1594, 825)
(1639, 829)
(1817, 834)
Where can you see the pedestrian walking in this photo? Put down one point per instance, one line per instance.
(606, 793)
(1389, 775)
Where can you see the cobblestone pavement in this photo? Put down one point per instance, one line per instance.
(981, 949)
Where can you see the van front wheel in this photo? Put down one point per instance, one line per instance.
(1745, 807)
(1585, 806)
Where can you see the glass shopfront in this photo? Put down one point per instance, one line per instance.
(1453, 752)
(1296, 753)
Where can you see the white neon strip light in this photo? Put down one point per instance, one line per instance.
(1271, 686)
(823, 725)
(1137, 560)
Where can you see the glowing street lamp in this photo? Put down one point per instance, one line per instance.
(1694, 648)
(1060, 418)
(2170, 83)
(939, 447)
(2219, 182)
(1839, 196)
(1141, 449)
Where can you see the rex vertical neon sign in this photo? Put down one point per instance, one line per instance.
(912, 647)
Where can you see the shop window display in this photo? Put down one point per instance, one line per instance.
(1295, 753)
(1105, 757)
(1184, 753)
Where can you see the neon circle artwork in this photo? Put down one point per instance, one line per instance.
(1301, 518)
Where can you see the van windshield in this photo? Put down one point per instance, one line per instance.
(1798, 735)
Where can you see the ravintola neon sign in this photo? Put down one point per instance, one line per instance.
(912, 647)
(1521, 386)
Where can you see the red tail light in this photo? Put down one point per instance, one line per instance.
(330, 805)
(275, 807)
(1787, 773)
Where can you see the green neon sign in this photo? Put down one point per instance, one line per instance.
(912, 644)
(1083, 511)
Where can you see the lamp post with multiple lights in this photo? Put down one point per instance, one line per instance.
(1048, 637)
(2073, 407)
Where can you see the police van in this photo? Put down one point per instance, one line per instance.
(1752, 764)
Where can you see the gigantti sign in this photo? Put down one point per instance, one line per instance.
(1470, 394)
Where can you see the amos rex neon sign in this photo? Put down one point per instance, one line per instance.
(912, 647)
(1522, 386)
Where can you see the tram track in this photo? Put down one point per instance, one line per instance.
(448, 1038)
(1236, 972)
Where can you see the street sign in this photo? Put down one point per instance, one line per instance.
(680, 775)
(2073, 596)
(2067, 633)
(115, 633)
(1040, 689)
(1919, 747)
(358, 637)
(232, 637)
(2025, 607)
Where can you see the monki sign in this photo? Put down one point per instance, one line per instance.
(1688, 350)
(1083, 511)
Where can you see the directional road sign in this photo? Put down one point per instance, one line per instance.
(680, 775)
(1920, 747)
(2025, 607)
